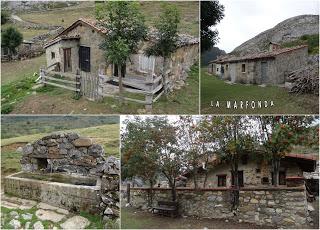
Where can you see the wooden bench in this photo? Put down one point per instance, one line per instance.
(167, 208)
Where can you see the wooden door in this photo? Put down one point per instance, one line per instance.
(264, 77)
(67, 60)
(84, 58)
(233, 72)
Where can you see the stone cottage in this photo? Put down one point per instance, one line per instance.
(77, 47)
(269, 67)
(255, 172)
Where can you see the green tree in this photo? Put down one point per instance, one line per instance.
(4, 17)
(126, 27)
(190, 138)
(11, 38)
(231, 137)
(138, 155)
(279, 134)
(167, 36)
(212, 12)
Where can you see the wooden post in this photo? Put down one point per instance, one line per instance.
(128, 192)
(149, 97)
(78, 81)
(42, 76)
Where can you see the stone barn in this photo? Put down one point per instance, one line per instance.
(77, 47)
(253, 172)
(270, 67)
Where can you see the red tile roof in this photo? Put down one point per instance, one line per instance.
(268, 54)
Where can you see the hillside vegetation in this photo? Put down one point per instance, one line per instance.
(189, 12)
(311, 40)
(16, 126)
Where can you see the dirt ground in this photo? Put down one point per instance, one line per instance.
(133, 218)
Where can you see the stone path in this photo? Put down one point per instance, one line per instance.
(38, 215)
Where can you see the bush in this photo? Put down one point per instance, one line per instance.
(6, 108)
(4, 17)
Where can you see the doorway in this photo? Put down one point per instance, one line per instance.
(264, 67)
(67, 60)
(84, 58)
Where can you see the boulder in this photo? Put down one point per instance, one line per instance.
(82, 142)
(75, 222)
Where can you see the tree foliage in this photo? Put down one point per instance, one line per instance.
(11, 38)
(167, 32)
(125, 29)
(212, 12)
(4, 17)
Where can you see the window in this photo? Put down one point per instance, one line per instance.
(282, 178)
(53, 55)
(265, 180)
(227, 67)
(222, 180)
(217, 69)
(243, 68)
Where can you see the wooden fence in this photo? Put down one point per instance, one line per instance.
(151, 88)
(82, 83)
(92, 86)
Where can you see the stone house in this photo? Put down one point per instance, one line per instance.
(254, 172)
(269, 67)
(77, 47)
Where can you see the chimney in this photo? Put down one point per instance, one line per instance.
(273, 46)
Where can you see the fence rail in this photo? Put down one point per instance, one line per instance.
(94, 87)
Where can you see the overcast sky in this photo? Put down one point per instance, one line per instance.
(246, 18)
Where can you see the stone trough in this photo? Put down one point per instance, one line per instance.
(68, 171)
(76, 193)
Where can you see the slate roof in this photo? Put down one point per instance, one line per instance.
(58, 39)
(183, 39)
(255, 56)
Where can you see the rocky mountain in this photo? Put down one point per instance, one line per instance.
(18, 6)
(286, 31)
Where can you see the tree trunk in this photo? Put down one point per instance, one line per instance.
(151, 193)
(195, 178)
(120, 84)
(236, 188)
(173, 190)
(275, 167)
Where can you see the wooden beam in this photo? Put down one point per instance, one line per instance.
(158, 96)
(61, 80)
(61, 86)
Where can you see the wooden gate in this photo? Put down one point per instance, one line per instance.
(89, 86)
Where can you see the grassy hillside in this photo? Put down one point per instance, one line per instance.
(18, 70)
(17, 126)
(66, 16)
(311, 40)
(214, 89)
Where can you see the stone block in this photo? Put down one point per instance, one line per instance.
(82, 142)
(254, 201)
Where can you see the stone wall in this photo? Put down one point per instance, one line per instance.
(68, 153)
(280, 207)
(253, 173)
(109, 192)
(63, 152)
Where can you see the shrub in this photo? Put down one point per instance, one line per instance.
(6, 108)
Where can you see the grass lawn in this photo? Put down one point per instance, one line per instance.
(106, 135)
(214, 89)
(135, 219)
(19, 98)
(189, 12)
(18, 70)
